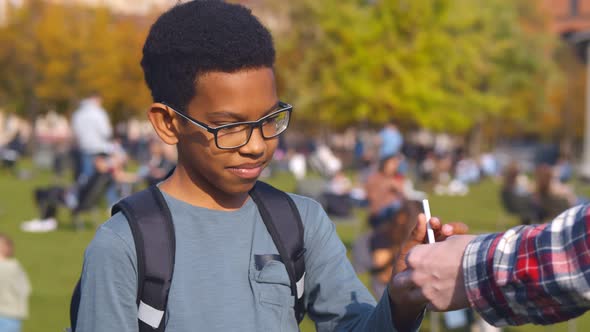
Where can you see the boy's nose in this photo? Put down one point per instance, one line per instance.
(256, 145)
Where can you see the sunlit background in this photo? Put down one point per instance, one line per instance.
(472, 86)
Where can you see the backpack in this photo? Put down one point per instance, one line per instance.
(153, 232)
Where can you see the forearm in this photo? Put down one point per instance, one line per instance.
(406, 317)
(531, 274)
(335, 298)
(341, 302)
(385, 316)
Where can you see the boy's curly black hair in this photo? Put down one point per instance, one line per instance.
(197, 37)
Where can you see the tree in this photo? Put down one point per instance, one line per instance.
(448, 65)
(17, 55)
(52, 55)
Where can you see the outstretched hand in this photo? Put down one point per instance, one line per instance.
(435, 275)
(407, 304)
(418, 236)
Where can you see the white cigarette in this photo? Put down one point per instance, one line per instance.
(429, 230)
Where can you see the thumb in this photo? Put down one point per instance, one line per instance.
(419, 232)
(416, 237)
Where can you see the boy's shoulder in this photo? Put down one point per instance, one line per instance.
(311, 211)
(305, 203)
(117, 224)
(112, 236)
(117, 229)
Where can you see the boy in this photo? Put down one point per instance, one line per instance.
(14, 288)
(209, 66)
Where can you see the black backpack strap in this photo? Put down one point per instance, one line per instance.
(283, 222)
(153, 231)
(74, 305)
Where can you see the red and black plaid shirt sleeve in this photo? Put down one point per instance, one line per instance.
(532, 274)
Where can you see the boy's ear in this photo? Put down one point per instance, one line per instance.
(164, 122)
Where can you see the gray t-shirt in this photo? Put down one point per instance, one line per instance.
(216, 284)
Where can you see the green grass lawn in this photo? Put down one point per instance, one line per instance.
(53, 260)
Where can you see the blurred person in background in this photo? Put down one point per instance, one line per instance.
(92, 133)
(138, 137)
(53, 131)
(390, 140)
(336, 195)
(420, 149)
(453, 178)
(489, 165)
(443, 144)
(324, 161)
(14, 288)
(564, 169)
(297, 163)
(516, 194)
(15, 135)
(426, 168)
(163, 160)
(83, 195)
(359, 150)
(132, 143)
(385, 243)
(467, 170)
(117, 159)
(550, 197)
(384, 189)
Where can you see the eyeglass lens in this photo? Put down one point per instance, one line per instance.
(238, 135)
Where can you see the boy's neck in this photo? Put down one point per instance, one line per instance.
(182, 187)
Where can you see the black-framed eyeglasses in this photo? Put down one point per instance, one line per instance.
(237, 134)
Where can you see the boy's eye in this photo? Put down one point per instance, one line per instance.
(233, 129)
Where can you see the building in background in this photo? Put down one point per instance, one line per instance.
(569, 16)
(571, 20)
(126, 6)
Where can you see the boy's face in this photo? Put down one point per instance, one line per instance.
(224, 98)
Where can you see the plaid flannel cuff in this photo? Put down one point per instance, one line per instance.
(481, 289)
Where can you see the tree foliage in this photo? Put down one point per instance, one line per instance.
(51, 55)
(441, 64)
(452, 65)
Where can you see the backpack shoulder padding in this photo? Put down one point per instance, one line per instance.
(151, 224)
(283, 222)
(74, 305)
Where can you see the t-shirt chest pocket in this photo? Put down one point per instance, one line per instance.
(273, 283)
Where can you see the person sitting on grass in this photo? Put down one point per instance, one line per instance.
(550, 196)
(79, 197)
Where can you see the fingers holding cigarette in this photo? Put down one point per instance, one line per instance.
(434, 274)
(436, 231)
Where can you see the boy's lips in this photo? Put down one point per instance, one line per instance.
(247, 171)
